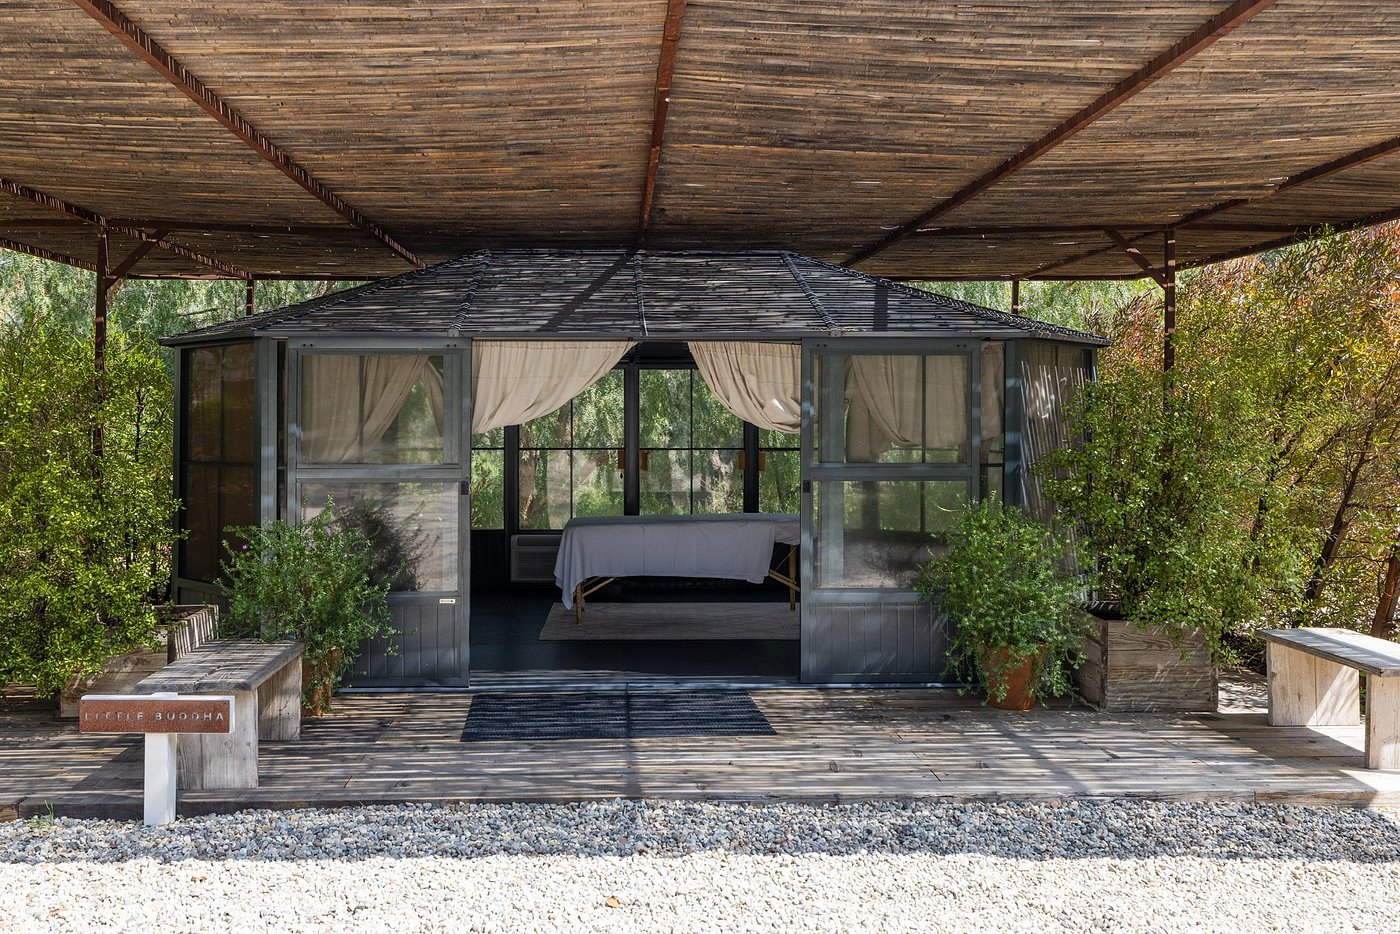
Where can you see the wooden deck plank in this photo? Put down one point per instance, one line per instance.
(829, 746)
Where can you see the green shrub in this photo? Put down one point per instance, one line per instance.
(86, 537)
(310, 583)
(1004, 584)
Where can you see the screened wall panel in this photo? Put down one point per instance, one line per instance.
(217, 457)
(1052, 375)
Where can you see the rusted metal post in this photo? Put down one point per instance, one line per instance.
(1169, 299)
(250, 295)
(99, 340)
(1016, 297)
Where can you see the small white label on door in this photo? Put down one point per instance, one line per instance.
(447, 600)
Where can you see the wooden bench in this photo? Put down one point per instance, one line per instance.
(265, 681)
(1315, 680)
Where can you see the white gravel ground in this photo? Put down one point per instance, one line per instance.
(655, 866)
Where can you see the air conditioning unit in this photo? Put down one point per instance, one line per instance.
(532, 558)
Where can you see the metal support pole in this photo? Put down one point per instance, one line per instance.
(99, 313)
(99, 338)
(250, 295)
(1169, 299)
(1016, 297)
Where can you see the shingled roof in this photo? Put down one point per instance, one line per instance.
(622, 293)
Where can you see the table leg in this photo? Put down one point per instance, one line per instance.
(1305, 690)
(1382, 723)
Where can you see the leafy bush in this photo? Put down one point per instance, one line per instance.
(85, 536)
(1005, 584)
(310, 583)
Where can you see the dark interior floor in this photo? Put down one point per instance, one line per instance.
(505, 630)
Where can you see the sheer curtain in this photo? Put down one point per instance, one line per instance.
(895, 401)
(515, 381)
(349, 401)
(757, 382)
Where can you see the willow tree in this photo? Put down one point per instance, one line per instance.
(1295, 355)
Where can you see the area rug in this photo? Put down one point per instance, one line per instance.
(672, 621)
(613, 715)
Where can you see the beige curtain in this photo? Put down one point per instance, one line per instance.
(760, 383)
(515, 381)
(345, 411)
(993, 389)
(893, 401)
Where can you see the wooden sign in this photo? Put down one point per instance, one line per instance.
(144, 713)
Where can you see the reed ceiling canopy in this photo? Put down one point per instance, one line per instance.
(910, 139)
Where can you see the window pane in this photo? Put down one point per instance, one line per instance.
(719, 483)
(372, 409)
(597, 483)
(547, 431)
(878, 533)
(495, 438)
(665, 489)
(204, 418)
(713, 425)
(545, 489)
(237, 394)
(488, 489)
(665, 408)
(597, 414)
(897, 409)
(199, 552)
(768, 438)
(413, 527)
(779, 481)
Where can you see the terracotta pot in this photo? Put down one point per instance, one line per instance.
(1020, 681)
(318, 684)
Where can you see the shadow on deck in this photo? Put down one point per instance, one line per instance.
(833, 745)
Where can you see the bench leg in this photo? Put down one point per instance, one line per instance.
(279, 704)
(1382, 723)
(1305, 690)
(214, 760)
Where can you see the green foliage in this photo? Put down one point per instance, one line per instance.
(1089, 306)
(310, 583)
(1004, 585)
(85, 536)
(1152, 491)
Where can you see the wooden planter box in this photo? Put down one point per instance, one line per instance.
(119, 675)
(1129, 669)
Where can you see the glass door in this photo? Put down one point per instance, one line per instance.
(381, 439)
(890, 455)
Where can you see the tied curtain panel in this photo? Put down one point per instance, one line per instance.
(760, 383)
(516, 381)
(350, 401)
(902, 401)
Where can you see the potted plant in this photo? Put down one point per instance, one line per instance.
(1150, 489)
(1012, 603)
(311, 583)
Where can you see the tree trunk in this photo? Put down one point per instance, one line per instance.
(1337, 531)
(1383, 626)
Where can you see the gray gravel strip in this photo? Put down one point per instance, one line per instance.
(688, 866)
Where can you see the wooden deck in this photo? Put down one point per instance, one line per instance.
(831, 745)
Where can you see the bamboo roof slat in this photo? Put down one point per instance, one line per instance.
(815, 126)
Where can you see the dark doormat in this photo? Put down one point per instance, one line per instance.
(613, 715)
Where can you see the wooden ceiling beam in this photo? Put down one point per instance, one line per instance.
(41, 253)
(661, 103)
(75, 212)
(168, 67)
(1136, 256)
(1224, 22)
(1369, 220)
(120, 271)
(994, 230)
